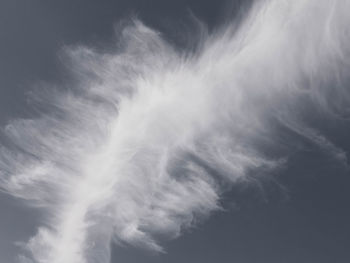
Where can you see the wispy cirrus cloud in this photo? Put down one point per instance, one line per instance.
(138, 147)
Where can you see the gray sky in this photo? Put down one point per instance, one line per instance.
(298, 212)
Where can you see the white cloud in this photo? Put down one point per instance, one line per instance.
(135, 149)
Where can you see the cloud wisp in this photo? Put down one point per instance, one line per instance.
(139, 145)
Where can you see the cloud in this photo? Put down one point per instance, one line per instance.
(138, 145)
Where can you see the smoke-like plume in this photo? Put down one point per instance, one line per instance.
(140, 144)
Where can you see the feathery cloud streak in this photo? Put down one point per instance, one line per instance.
(138, 147)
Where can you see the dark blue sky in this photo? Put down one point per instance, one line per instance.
(300, 215)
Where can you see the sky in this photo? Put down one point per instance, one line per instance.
(174, 131)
